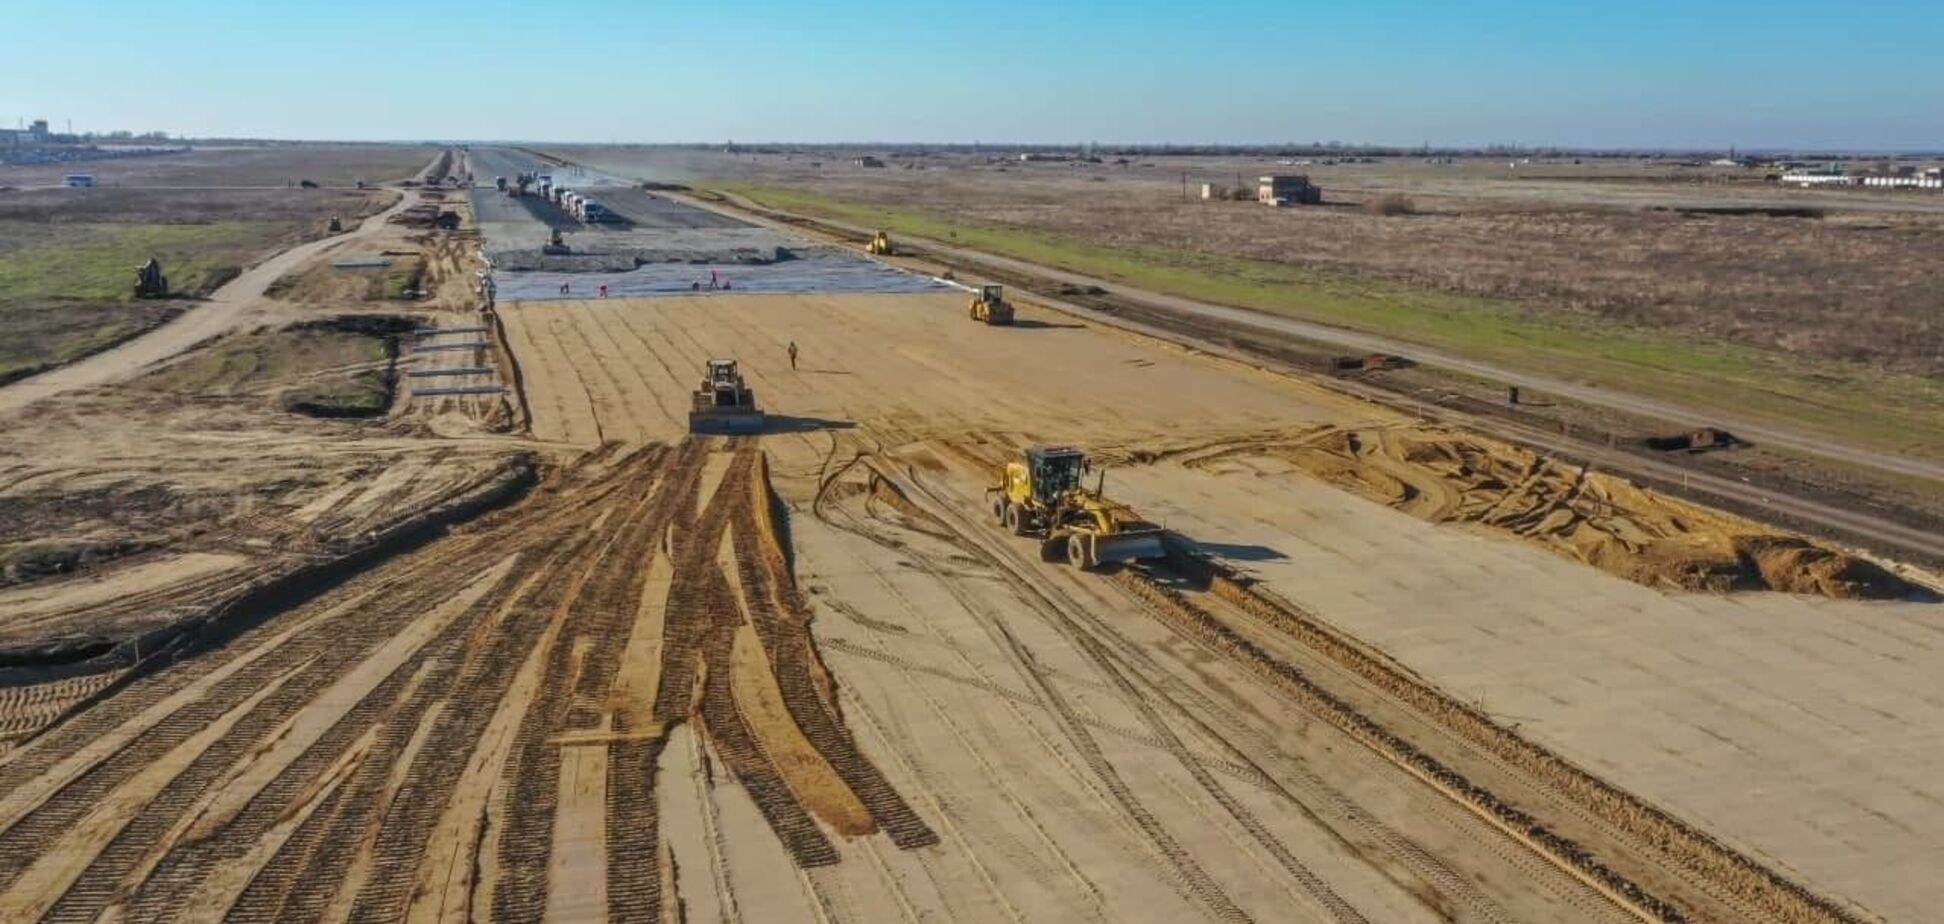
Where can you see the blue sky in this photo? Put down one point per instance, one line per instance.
(1650, 73)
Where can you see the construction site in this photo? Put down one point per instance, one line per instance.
(557, 543)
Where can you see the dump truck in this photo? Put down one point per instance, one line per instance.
(989, 305)
(149, 281)
(881, 245)
(1043, 496)
(723, 403)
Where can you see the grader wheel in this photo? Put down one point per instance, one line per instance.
(1080, 552)
(1015, 520)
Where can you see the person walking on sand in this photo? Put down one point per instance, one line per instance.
(793, 352)
(563, 288)
(604, 290)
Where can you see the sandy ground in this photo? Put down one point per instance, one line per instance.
(803, 677)
(178, 480)
(876, 374)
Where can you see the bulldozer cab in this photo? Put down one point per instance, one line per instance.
(992, 295)
(724, 383)
(1053, 471)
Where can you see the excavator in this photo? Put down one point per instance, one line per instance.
(1042, 496)
(990, 306)
(881, 245)
(722, 403)
(149, 281)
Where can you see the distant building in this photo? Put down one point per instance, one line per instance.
(1288, 189)
(37, 131)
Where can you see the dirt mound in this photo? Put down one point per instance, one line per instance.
(1605, 521)
(426, 216)
(1795, 565)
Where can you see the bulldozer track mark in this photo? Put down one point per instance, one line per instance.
(1097, 908)
(531, 774)
(1171, 604)
(322, 648)
(1247, 774)
(365, 807)
(1715, 868)
(1177, 859)
(387, 714)
(875, 726)
(1344, 812)
(1319, 891)
(782, 621)
(1090, 778)
(635, 893)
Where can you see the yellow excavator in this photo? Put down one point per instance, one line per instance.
(990, 306)
(1042, 496)
(881, 245)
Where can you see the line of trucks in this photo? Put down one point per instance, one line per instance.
(585, 209)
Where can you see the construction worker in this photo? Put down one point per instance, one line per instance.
(563, 288)
(793, 355)
(604, 290)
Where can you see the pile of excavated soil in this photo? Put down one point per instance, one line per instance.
(1605, 521)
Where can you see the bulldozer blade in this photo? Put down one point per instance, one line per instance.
(1129, 546)
(731, 424)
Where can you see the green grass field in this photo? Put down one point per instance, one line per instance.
(66, 289)
(1903, 413)
(96, 262)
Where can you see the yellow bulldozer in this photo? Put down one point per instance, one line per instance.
(1042, 496)
(990, 306)
(881, 245)
(723, 403)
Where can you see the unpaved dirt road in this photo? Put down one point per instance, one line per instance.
(805, 677)
(226, 309)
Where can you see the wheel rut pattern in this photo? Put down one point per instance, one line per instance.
(458, 669)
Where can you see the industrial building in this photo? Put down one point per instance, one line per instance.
(1288, 189)
(36, 132)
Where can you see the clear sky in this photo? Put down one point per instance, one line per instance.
(1647, 73)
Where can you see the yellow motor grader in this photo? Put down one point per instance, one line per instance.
(1042, 496)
